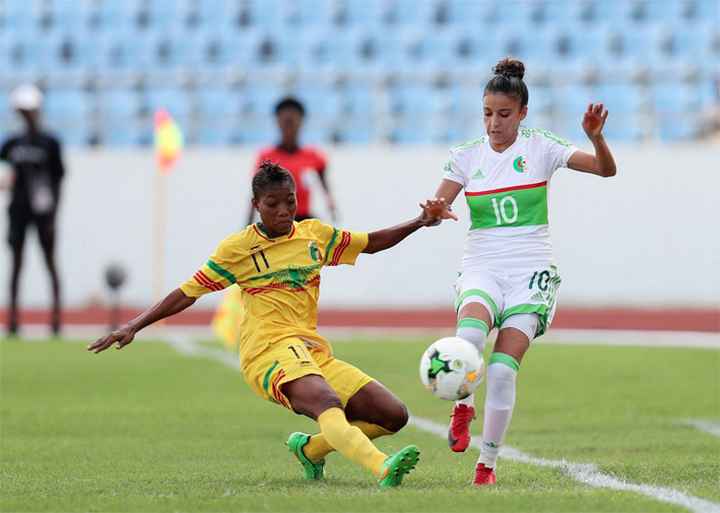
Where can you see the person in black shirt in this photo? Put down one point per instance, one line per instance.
(37, 172)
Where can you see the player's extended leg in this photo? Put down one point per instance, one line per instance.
(46, 234)
(312, 396)
(512, 343)
(474, 324)
(374, 409)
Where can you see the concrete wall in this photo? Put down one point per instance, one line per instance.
(647, 237)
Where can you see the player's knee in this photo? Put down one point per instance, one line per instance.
(397, 417)
(474, 331)
(325, 400)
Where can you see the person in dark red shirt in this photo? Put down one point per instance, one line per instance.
(301, 161)
(37, 172)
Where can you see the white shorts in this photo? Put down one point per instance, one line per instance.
(510, 292)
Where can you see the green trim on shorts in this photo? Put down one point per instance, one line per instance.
(471, 322)
(542, 311)
(504, 359)
(479, 293)
(266, 379)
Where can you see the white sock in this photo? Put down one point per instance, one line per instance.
(468, 401)
(499, 403)
(475, 332)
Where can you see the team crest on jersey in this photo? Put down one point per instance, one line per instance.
(314, 251)
(520, 164)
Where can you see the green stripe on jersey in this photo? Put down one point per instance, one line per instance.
(266, 378)
(331, 244)
(518, 207)
(222, 272)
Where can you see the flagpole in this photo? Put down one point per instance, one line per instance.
(168, 144)
(159, 231)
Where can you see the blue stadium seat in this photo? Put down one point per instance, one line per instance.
(311, 13)
(467, 12)
(213, 15)
(259, 99)
(414, 129)
(175, 100)
(60, 52)
(215, 102)
(357, 100)
(366, 13)
(412, 42)
(254, 130)
(674, 98)
(268, 14)
(413, 99)
(708, 92)
(320, 102)
(674, 128)
(621, 98)
(23, 54)
(213, 133)
(118, 106)
(67, 113)
(71, 103)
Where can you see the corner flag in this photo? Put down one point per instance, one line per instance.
(168, 141)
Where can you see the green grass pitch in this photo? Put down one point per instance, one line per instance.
(149, 429)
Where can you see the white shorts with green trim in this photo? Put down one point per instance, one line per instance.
(531, 290)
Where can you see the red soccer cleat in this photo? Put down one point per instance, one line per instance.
(459, 432)
(484, 475)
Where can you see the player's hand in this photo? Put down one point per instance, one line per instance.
(120, 337)
(594, 120)
(434, 211)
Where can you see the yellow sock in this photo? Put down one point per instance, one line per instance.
(318, 447)
(349, 440)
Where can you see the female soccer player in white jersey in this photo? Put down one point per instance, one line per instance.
(508, 278)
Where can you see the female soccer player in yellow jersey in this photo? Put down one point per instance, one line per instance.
(509, 279)
(277, 263)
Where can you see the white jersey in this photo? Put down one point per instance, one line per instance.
(507, 196)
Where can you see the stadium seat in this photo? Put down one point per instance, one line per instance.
(621, 98)
(175, 100)
(355, 130)
(118, 106)
(213, 133)
(672, 128)
(671, 98)
(417, 47)
(320, 102)
(254, 130)
(259, 100)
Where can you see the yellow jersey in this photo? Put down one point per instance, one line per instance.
(279, 278)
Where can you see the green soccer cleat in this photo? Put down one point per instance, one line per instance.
(295, 443)
(397, 465)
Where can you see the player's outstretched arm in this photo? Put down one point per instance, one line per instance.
(433, 212)
(602, 163)
(173, 303)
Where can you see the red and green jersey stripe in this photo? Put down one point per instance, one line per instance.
(519, 205)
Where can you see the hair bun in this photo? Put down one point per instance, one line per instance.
(510, 68)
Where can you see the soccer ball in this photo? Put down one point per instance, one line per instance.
(451, 368)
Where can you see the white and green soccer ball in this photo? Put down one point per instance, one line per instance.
(451, 368)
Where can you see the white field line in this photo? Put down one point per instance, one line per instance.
(633, 338)
(710, 427)
(583, 472)
(586, 473)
